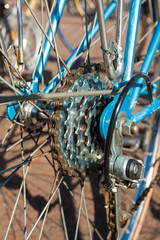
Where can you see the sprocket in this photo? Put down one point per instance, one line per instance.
(75, 129)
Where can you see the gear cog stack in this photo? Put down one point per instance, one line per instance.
(74, 125)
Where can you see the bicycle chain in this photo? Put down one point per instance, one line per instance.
(144, 194)
(111, 211)
(111, 217)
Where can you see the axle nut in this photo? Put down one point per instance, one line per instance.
(134, 169)
(129, 128)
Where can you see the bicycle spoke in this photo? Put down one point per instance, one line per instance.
(27, 160)
(41, 48)
(10, 86)
(54, 42)
(45, 154)
(86, 23)
(63, 216)
(94, 22)
(146, 35)
(75, 57)
(46, 211)
(25, 172)
(13, 121)
(38, 23)
(79, 213)
(86, 213)
(6, 135)
(24, 185)
(16, 143)
(16, 203)
(42, 40)
(125, 24)
(48, 203)
(73, 60)
(78, 203)
(20, 93)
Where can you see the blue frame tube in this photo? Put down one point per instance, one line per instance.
(108, 11)
(55, 21)
(131, 40)
(153, 47)
(147, 111)
(47, 47)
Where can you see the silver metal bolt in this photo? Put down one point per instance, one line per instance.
(129, 128)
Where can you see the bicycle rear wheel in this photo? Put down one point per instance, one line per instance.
(55, 154)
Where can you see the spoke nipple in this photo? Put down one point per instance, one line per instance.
(21, 84)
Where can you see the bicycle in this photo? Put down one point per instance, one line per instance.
(88, 125)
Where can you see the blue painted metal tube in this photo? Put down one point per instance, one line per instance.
(108, 11)
(47, 47)
(154, 45)
(147, 111)
(131, 39)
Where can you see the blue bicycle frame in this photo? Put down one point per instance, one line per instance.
(128, 59)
